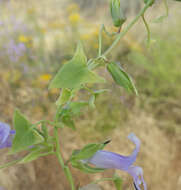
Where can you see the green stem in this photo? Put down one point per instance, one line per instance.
(147, 28)
(166, 7)
(100, 41)
(60, 159)
(9, 164)
(127, 28)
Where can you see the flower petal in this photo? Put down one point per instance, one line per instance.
(4, 132)
(106, 159)
(137, 173)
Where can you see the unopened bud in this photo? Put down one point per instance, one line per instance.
(151, 2)
(117, 14)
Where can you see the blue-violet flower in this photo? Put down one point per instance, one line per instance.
(6, 135)
(108, 160)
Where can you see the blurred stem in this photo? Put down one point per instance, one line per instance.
(147, 28)
(166, 7)
(9, 164)
(122, 34)
(100, 41)
(59, 156)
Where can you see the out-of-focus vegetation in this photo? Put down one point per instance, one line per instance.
(37, 37)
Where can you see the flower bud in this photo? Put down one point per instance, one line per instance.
(117, 14)
(151, 2)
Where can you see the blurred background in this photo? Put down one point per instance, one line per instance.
(37, 37)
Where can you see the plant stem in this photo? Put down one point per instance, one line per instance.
(100, 40)
(147, 28)
(128, 28)
(166, 7)
(9, 164)
(60, 159)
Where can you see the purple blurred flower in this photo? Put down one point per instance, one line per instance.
(15, 51)
(6, 135)
(106, 159)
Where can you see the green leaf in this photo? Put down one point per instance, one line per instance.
(44, 131)
(75, 73)
(26, 135)
(77, 106)
(86, 168)
(92, 101)
(64, 97)
(68, 121)
(121, 77)
(117, 182)
(87, 151)
(38, 152)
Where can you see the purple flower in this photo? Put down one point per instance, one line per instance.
(106, 159)
(6, 135)
(15, 51)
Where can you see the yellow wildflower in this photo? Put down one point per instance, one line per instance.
(74, 18)
(85, 36)
(45, 77)
(96, 46)
(96, 31)
(23, 39)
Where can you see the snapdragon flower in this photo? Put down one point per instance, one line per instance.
(111, 160)
(6, 135)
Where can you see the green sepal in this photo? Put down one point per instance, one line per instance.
(86, 168)
(87, 151)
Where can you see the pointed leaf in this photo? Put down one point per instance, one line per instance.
(75, 72)
(68, 121)
(25, 136)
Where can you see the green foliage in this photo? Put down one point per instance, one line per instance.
(159, 76)
(117, 14)
(86, 168)
(76, 107)
(75, 73)
(121, 77)
(117, 182)
(64, 97)
(26, 135)
(87, 151)
(36, 153)
(68, 121)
